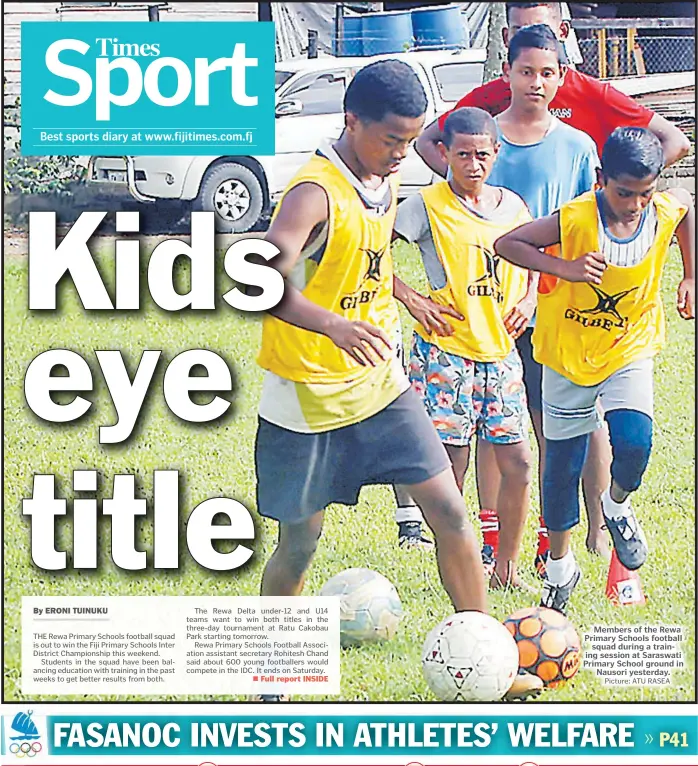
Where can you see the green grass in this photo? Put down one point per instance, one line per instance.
(219, 460)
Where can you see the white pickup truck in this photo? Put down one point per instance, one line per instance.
(242, 189)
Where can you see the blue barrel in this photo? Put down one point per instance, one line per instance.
(351, 43)
(387, 33)
(439, 28)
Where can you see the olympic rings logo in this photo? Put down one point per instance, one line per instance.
(30, 749)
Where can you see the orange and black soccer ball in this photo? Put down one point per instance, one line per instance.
(549, 646)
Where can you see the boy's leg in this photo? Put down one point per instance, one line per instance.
(284, 574)
(400, 445)
(502, 422)
(514, 465)
(563, 471)
(514, 462)
(627, 398)
(458, 558)
(595, 479)
(409, 519)
(570, 415)
(489, 476)
(532, 374)
(488, 479)
(448, 402)
(543, 546)
(408, 515)
(460, 458)
(457, 551)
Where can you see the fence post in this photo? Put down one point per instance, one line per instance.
(602, 53)
(264, 12)
(312, 43)
(639, 59)
(629, 45)
(338, 29)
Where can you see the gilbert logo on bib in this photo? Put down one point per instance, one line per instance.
(605, 313)
(366, 293)
(489, 284)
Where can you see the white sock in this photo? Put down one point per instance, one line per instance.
(408, 513)
(560, 571)
(615, 510)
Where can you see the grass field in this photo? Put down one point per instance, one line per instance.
(218, 461)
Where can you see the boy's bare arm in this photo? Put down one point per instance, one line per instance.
(516, 321)
(686, 236)
(427, 147)
(675, 145)
(302, 210)
(522, 247)
(431, 315)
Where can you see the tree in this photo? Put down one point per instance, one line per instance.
(496, 52)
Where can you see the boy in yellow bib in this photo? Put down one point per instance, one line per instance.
(470, 376)
(601, 322)
(337, 411)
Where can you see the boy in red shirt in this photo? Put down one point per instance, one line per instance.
(585, 103)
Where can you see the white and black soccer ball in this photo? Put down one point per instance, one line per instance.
(369, 606)
(470, 657)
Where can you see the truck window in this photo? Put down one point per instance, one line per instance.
(456, 79)
(320, 92)
(280, 78)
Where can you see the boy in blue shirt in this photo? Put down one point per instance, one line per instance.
(547, 163)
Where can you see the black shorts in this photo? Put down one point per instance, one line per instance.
(532, 370)
(299, 474)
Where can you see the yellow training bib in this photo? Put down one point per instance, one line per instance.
(353, 279)
(479, 284)
(587, 332)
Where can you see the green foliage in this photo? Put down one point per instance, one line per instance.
(40, 175)
(219, 460)
(35, 175)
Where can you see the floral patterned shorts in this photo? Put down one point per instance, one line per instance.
(463, 397)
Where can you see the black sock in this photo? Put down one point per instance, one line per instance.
(409, 528)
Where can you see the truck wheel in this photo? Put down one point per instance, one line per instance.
(234, 193)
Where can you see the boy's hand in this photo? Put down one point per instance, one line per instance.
(516, 321)
(361, 340)
(686, 299)
(431, 315)
(587, 268)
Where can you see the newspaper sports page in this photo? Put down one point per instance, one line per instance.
(349, 383)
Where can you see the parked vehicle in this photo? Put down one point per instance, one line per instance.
(241, 190)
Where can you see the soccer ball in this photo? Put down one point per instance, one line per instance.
(369, 606)
(548, 644)
(470, 657)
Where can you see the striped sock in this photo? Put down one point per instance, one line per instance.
(543, 542)
(489, 523)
